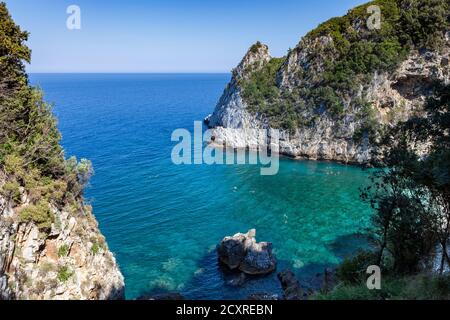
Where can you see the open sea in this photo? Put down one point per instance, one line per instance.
(163, 221)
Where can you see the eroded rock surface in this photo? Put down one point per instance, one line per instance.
(70, 262)
(291, 286)
(242, 252)
(394, 94)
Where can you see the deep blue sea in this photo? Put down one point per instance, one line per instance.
(163, 221)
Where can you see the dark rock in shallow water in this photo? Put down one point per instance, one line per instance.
(242, 252)
(163, 296)
(259, 259)
(263, 296)
(232, 250)
(291, 286)
(329, 280)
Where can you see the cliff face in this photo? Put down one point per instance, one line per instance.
(50, 244)
(231, 111)
(379, 97)
(71, 261)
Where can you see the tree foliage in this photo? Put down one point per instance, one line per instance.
(411, 194)
(13, 53)
(30, 152)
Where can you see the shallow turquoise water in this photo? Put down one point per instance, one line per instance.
(163, 221)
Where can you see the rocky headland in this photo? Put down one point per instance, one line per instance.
(333, 93)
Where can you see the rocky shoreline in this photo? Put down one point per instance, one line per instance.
(223, 144)
(244, 260)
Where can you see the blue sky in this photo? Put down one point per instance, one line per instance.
(164, 35)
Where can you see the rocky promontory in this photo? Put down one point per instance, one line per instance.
(333, 93)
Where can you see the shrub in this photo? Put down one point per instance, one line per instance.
(11, 190)
(14, 165)
(353, 270)
(329, 98)
(63, 251)
(95, 248)
(417, 287)
(254, 48)
(368, 121)
(64, 274)
(261, 86)
(39, 214)
(391, 288)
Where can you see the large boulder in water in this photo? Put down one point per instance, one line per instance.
(259, 259)
(232, 250)
(242, 252)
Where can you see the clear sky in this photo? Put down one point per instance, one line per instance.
(164, 35)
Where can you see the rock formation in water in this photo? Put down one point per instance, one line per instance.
(242, 252)
(291, 286)
(332, 94)
(50, 244)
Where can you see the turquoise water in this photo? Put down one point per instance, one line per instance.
(163, 221)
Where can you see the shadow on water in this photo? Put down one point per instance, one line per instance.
(348, 246)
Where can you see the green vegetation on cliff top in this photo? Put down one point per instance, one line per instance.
(354, 55)
(31, 156)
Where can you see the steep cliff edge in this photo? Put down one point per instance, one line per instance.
(333, 94)
(50, 244)
(69, 261)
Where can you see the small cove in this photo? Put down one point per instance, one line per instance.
(163, 221)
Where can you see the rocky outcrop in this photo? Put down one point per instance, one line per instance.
(394, 95)
(71, 261)
(231, 110)
(50, 244)
(242, 252)
(291, 286)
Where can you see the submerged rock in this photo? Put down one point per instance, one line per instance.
(291, 286)
(242, 252)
